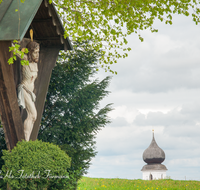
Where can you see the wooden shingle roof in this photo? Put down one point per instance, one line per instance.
(153, 154)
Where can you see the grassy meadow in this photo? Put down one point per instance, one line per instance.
(87, 183)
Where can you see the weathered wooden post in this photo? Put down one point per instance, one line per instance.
(42, 18)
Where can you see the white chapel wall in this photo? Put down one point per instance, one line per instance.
(156, 174)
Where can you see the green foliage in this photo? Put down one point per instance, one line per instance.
(125, 184)
(15, 50)
(108, 22)
(35, 165)
(2, 146)
(72, 117)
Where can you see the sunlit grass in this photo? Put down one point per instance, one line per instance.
(87, 183)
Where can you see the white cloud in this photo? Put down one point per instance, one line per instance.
(123, 112)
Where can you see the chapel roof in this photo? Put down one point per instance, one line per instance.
(153, 154)
(153, 167)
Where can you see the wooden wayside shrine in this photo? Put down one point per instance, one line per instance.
(42, 18)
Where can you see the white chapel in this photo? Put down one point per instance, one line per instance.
(154, 156)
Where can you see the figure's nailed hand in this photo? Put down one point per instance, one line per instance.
(23, 49)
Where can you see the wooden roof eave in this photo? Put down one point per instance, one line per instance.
(59, 26)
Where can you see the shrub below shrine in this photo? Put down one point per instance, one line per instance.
(36, 165)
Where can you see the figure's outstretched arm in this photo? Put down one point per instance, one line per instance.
(18, 55)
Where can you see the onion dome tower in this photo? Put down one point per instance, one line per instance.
(154, 156)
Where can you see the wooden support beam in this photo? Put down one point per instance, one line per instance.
(47, 61)
(9, 109)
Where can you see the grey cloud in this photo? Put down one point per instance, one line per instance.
(118, 122)
(151, 68)
(173, 117)
(187, 115)
(157, 77)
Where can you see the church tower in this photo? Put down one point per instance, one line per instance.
(154, 156)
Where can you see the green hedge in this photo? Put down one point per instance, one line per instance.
(36, 165)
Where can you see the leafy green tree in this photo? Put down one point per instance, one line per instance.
(3, 185)
(108, 22)
(2, 146)
(72, 117)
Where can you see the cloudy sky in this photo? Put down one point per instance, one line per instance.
(157, 87)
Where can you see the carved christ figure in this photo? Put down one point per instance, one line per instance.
(26, 97)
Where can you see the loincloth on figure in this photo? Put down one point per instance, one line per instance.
(21, 101)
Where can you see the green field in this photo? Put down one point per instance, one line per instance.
(87, 183)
